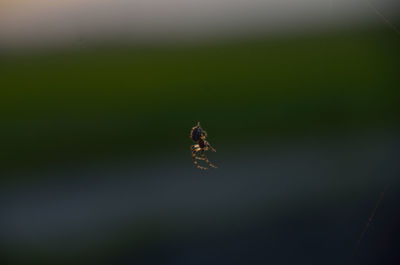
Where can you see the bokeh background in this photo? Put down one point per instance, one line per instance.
(300, 99)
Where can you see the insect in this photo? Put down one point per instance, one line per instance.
(198, 135)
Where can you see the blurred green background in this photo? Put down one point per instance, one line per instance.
(101, 102)
(95, 166)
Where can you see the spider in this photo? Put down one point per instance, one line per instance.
(198, 135)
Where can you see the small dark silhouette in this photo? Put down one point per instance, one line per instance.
(198, 135)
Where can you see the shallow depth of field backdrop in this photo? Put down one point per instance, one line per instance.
(300, 99)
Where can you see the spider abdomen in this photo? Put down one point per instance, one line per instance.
(196, 134)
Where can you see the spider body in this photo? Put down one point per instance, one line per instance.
(202, 143)
(198, 135)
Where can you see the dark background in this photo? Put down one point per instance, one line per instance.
(96, 167)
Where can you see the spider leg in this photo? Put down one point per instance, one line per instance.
(194, 149)
(208, 146)
(207, 161)
(211, 148)
(199, 158)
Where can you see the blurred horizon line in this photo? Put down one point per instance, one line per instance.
(46, 24)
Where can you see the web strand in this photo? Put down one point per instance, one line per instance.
(379, 14)
(371, 217)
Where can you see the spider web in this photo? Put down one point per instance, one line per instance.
(370, 219)
(382, 17)
(393, 27)
(377, 12)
